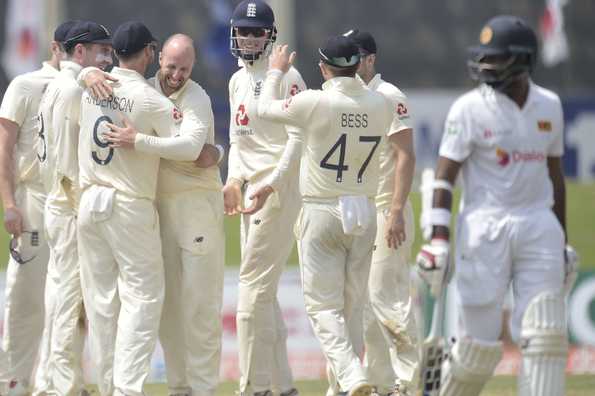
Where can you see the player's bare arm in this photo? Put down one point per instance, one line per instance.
(433, 258)
(554, 165)
(402, 145)
(446, 170)
(13, 219)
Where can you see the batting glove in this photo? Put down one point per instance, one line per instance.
(432, 264)
(570, 268)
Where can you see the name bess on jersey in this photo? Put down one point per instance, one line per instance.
(121, 104)
(351, 120)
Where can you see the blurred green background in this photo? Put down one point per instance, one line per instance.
(580, 202)
(580, 218)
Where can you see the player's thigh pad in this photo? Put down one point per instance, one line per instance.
(469, 366)
(482, 258)
(544, 346)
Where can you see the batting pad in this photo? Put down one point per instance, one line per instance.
(544, 346)
(469, 366)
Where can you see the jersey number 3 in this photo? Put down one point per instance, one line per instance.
(100, 143)
(341, 145)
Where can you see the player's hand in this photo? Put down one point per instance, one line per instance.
(394, 232)
(258, 199)
(97, 82)
(281, 59)
(432, 264)
(209, 156)
(232, 197)
(123, 137)
(13, 221)
(571, 264)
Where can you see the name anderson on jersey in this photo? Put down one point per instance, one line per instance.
(113, 102)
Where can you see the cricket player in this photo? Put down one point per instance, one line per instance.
(190, 206)
(390, 333)
(342, 127)
(23, 199)
(506, 136)
(87, 44)
(255, 160)
(118, 226)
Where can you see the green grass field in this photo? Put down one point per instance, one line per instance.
(578, 385)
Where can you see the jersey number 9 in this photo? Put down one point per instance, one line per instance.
(101, 143)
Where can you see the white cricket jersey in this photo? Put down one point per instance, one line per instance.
(503, 148)
(256, 144)
(386, 180)
(343, 126)
(59, 112)
(130, 172)
(179, 176)
(20, 105)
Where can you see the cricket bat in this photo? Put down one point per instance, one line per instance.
(432, 350)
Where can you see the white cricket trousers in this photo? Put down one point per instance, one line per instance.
(494, 251)
(266, 241)
(193, 241)
(42, 380)
(334, 269)
(25, 285)
(67, 334)
(390, 332)
(123, 289)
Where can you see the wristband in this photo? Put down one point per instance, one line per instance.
(442, 184)
(221, 152)
(440, 217)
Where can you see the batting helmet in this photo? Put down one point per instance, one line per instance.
(252, 18)
(507, 48)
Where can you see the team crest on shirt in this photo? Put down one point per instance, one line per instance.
(544, 126)
(177, 115)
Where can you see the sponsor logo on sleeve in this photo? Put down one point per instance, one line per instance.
(402, 111)
(294, 90)
(287, 103)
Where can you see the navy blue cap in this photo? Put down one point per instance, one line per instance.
(364, 40)
(253, 13)
(131, 37)
(506, 34)
(339, 51)
(61, 31)
(87, 32)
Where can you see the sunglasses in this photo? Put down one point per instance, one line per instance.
(254, 31)
(14, 245)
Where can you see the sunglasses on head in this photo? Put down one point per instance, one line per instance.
(254, 31)
(14, 244)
